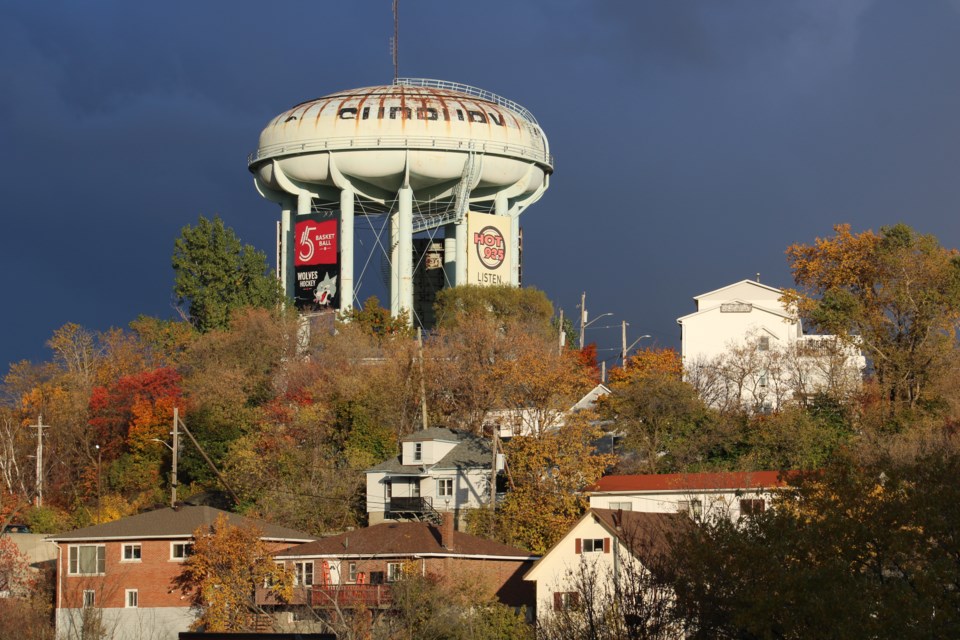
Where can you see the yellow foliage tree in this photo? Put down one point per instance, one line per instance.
(221, 576)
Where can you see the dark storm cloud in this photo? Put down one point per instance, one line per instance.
(694, 140)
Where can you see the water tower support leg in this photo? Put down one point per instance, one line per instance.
(515, 249)
(286, 255)
(346, 250)
(405, 249)
(501, 207)
(450, 255)
(461, 259)
(394, 263)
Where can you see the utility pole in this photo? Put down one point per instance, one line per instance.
(175, 449)
(423, 387)
(583, 316)
(99, 461)
(39, 427)
(562, 338)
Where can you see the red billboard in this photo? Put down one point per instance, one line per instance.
(317, 261)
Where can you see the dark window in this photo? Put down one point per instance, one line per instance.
(764, 343)
(418, 451)
(752, 506)
(566, 600)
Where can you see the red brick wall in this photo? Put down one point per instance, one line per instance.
(503, 578)
(152, 576)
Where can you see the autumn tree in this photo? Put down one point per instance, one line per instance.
(448, 608)
(505, 305)
(24, 596)
(855, 550)
(666, 427)
(895, 294)
(547, 474)
(216, 274)
(221, 576)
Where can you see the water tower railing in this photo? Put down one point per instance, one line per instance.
(400, 142)
(483, 94)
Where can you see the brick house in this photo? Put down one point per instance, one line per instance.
(119, 574)
(359, 567)
(438, 471)
(600, 558)
(733, 494)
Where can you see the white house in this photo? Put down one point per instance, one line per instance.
(525, 422)
(438, 470)
(731, 494)
(608, 558)
(743, 344)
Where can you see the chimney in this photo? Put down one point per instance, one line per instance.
(446, 531)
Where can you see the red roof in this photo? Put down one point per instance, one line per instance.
(689, 481)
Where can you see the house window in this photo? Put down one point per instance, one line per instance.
(89, 598)
(622, 506)
(388, 488)
(414, 488)
(394, 571)
(752, 506)
(594, 545)
(566, 600)
(764, 343)
(132, 599)
(763, 379)
(352, 572)
(418, 451)
(445, 487)
(131, 553)
(693, 507)
(180, 550)
(303, 573)
(87, 560)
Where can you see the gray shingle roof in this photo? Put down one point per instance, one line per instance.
(472, 452)
(175, 523)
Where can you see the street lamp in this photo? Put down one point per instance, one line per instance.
(584, 325)
(626, 349)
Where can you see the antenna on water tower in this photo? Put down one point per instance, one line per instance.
(395, 40)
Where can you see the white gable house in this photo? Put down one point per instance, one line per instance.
(437, 471)
(743, 346)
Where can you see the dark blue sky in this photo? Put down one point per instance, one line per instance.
(693, 140)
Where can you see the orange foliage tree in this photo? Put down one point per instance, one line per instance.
(222, 575)
(895, 294)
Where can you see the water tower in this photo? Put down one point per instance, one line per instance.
(445, 162)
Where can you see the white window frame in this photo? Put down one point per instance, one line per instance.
(300, 573)
(445, 487)
(132, 546)
(89, 598)
(352, 572)
(394, 571)
(417, 451)
(592, 543)
(622, 506)
(186, 548)
(73, 559)
(131, 598)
